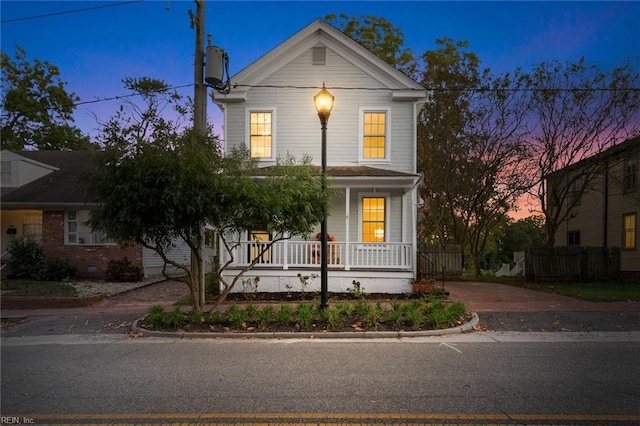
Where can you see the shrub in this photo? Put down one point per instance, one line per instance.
(283, 316)
(123, 271)
(156, 315)
(27, 261)
(54, 269)
(236, 315)
(25, 257)
(174, 318)
(305, 314)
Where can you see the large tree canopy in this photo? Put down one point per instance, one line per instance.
(36, 108)
(378, 36)
(156, 182)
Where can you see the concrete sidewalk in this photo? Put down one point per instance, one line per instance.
(477, 297)
(500, 307)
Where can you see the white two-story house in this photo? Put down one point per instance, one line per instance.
(371, 157)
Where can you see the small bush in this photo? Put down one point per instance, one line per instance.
(54, 269)
(156, 315)
(283, 316)
(236, 315)
(174, 318)
(305, 314)
(123, 271)
(27, 261)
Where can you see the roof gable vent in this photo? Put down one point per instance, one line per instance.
(319, 55)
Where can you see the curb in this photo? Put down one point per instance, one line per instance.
(468, 326)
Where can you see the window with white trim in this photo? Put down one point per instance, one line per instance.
(78, 232)
(261, 132)
(7, 175)
(374, 134)
(373, 224)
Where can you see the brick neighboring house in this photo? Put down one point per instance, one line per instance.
(41, 199)
(606, 214)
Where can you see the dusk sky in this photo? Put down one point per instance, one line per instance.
(95, 49)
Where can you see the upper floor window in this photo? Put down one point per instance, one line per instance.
(374, 134)
(576, 190)
(373, 219)
(630, 179)
(77, 229)
(7, 175)
(261, 134)
(629, 231)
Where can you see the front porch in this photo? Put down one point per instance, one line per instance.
(379, 267)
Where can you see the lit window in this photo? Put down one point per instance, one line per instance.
(260, 134)
(79, 232)
(258, 240)
(629, 231)
(32, 225)
(373, 219)
(374, 135)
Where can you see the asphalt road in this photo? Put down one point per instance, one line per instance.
(510, 378)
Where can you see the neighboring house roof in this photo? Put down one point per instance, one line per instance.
(321, 32)
(56, 189)
(612, 152)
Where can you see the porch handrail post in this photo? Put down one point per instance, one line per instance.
(285, 254)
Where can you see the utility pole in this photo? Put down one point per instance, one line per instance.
(199, 88)
(200, 127)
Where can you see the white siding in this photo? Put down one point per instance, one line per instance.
(291, 90)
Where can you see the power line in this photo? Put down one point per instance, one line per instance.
(447, 89)
(46, 15)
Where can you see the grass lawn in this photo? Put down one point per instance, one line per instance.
(36, 288)
(615, 291)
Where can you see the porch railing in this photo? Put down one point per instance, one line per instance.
(340, 255)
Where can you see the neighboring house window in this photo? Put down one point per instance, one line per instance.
(32, 225)
(373, 219)
(629, 231)
(630, 181)
(576, 190)
(78, 231)
(573, 238)
(7, 175)
(374, 134)
(261, 134)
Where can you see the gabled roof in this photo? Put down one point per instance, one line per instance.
(56, 189)
(321, 32)
(612, 152)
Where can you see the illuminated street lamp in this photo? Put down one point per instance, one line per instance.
(324, 104)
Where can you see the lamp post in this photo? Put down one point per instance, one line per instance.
(324, 104)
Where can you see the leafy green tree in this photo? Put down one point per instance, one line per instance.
(577, 111)
(521, 235)
(36, 108)
(471, 149)
(378, 36)
(156, 182)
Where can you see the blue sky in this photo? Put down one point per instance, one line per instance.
(95, 49)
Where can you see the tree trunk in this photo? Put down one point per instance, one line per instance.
(197, 279)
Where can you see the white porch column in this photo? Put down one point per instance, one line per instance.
(347, 197)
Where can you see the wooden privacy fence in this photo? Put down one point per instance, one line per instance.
(437, 263)
(572, 263)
